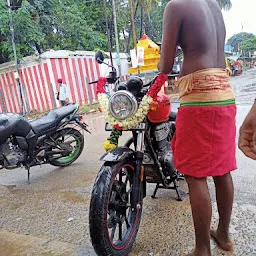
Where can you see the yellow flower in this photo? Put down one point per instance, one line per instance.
(107, 145)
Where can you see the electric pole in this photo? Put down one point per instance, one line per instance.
(134, 32)
(106, 20)
(118, 60)
(16, 74)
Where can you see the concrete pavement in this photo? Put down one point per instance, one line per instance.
(49, 216)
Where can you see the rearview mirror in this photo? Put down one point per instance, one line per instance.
(99, 57)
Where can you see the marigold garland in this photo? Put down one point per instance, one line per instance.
(142, 111)
(135, 120)
(112, 141)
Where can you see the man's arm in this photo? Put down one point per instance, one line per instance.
(171, 27)
(247, 134)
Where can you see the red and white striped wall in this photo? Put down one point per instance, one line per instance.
(39, 83)
(9, 94)
(75, 72)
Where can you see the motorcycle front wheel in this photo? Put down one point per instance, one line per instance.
(113, 224)
(67, 139)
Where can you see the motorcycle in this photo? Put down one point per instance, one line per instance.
(52, 138)
(120, 186)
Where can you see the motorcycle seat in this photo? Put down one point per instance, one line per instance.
(52, 119)
(172, 117)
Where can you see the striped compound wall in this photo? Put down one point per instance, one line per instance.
(39, 86)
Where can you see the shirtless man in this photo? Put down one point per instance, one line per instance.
(204, 143)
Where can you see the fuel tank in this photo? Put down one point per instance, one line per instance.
(163, 109)
(13, 124)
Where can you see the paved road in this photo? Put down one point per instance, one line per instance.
(34, 217)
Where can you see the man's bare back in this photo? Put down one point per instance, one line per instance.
(198, 27)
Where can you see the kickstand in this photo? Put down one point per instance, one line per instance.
(28, 169)
(155, 191)
(177, 191)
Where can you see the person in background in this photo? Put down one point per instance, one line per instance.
(204, 143)
(63, 94)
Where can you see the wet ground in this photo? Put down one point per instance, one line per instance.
(49, 216)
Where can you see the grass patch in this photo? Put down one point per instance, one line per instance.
(85, 109)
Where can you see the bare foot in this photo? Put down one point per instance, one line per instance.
(224, 244)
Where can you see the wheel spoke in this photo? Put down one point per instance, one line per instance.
(126, 179)
(127, 222)
(112, 220)
(120, 177)
(113, 197)
(120, 229)
(129, 191)
(68, 142)
(119, 211)
(113, 231)
(111, 215)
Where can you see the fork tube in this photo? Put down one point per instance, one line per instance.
(140, 141)
(136, 194)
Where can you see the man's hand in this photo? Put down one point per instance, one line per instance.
(247, 134)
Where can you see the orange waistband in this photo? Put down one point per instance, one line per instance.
(205, 85)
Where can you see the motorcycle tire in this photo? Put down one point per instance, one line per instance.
(67, 160)
(106, 212)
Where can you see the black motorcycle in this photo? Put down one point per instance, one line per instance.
(120, 186)
(52, 139)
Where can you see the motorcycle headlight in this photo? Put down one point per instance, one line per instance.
(123, 105)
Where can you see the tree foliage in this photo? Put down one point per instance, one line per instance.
(237, 39)
(225, 4)
(249, 45)
(51, 24)
(41, 25)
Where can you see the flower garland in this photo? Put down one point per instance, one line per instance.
(112, 140)
(133, 121)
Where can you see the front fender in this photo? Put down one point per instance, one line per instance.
(117, 154)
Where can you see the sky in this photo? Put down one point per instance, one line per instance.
(242, 12)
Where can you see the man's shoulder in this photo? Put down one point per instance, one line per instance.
(177, 3)
(188, 5)
(177, 6)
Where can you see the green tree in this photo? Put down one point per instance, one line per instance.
(225, 4)
(56, 24)
(249, 46)
(70, 29)
(27, 30)
(237, 40)
(76, 24)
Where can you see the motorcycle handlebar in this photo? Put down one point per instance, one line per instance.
(151, 82)
(94, 82)
(173, 73)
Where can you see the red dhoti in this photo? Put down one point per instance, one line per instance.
(204, 141)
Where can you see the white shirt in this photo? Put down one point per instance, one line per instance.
(63, 92)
